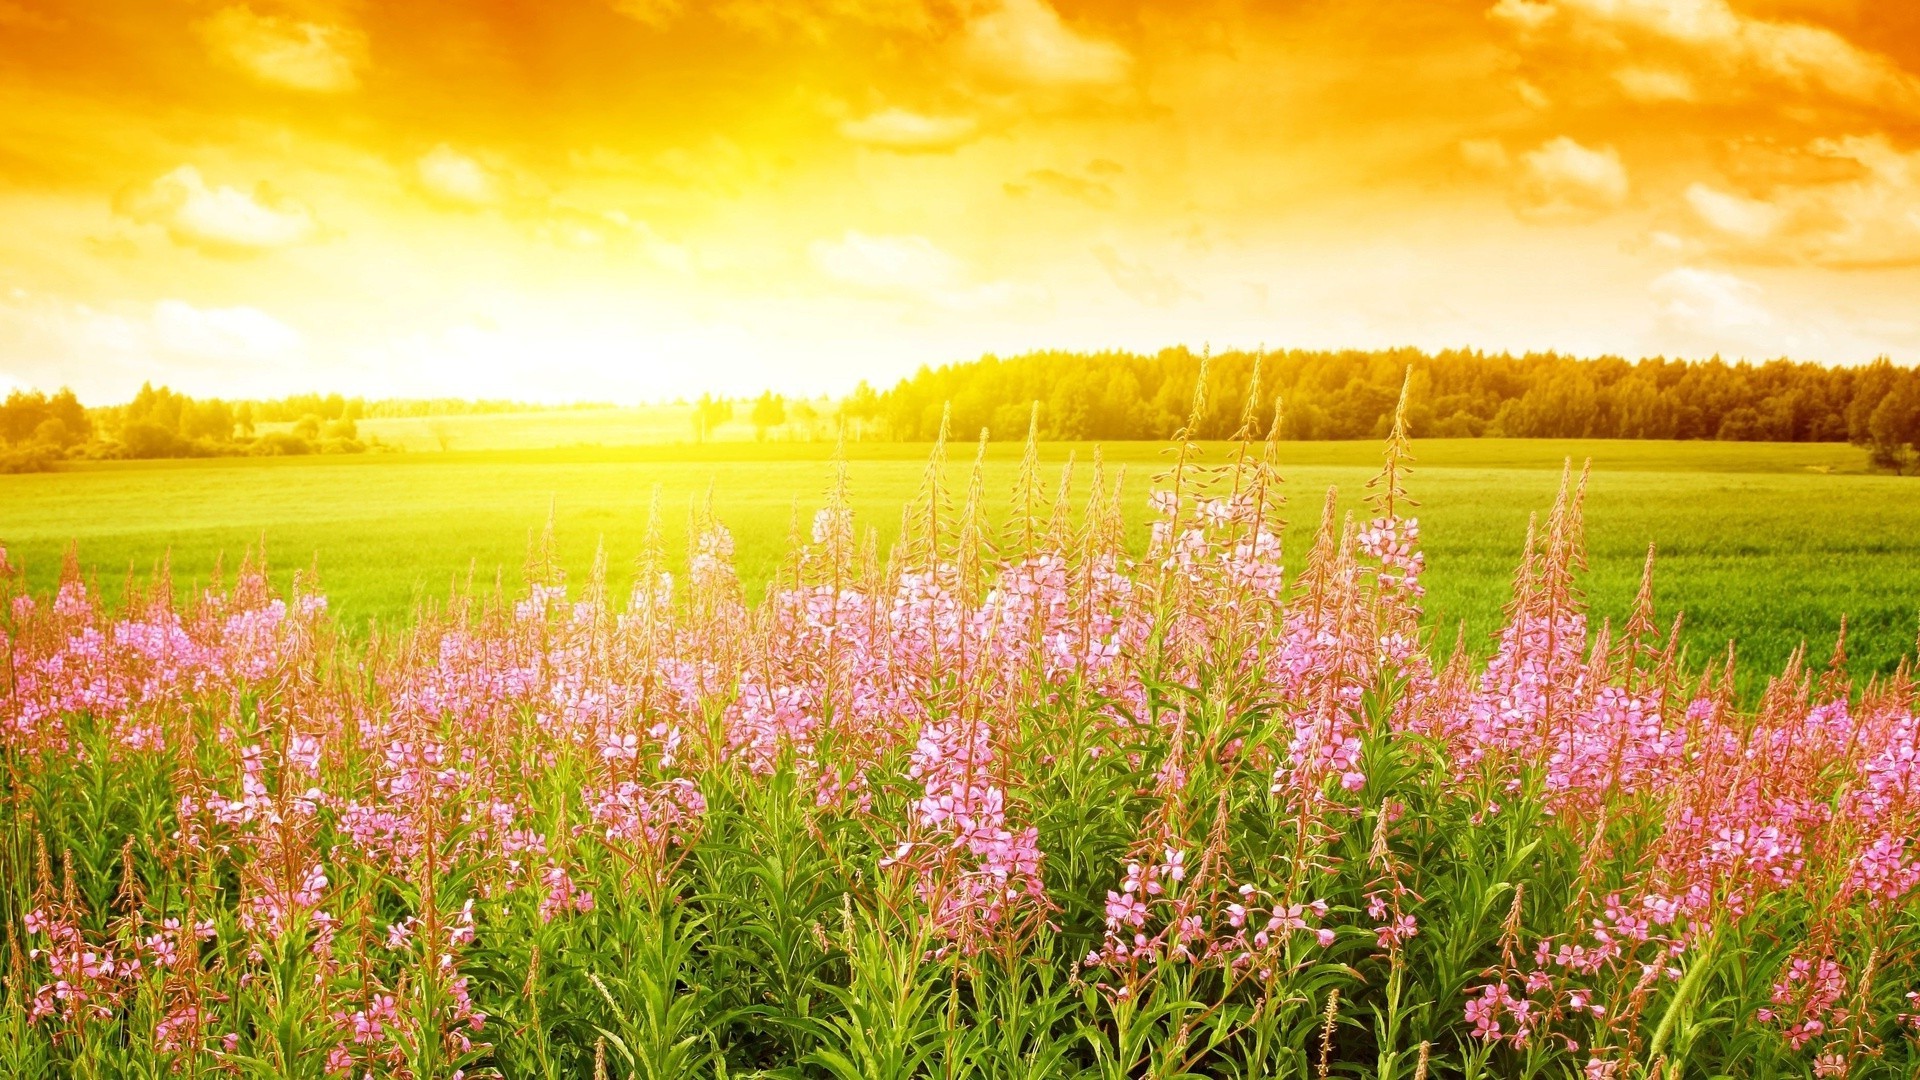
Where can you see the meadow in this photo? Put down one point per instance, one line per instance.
(1765, 545)
(1101, 793)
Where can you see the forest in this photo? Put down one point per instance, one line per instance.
(1453, 394)
(1335, 395)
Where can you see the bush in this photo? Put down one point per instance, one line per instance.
(280, 444)
(36, 457)
(146, 439)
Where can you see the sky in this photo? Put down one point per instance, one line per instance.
(622, 200)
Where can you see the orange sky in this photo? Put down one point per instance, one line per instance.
(625, 199)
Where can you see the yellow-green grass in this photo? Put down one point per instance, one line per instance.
(1767, 545)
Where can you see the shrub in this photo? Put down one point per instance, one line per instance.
(35, 457)
(146, 439)
(280, 444)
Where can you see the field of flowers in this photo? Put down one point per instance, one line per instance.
(1007, 802)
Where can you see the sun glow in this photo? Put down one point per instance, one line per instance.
(623, 199)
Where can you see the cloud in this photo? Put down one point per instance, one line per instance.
(226, 335)
(778, 19)
(1728, 50)
(1563, 181)
(217, 220)
(1095, 193)
(1867, 214)
(1649, 85)
(1026, 42)
(887, 263)
(910, 132)
(1140, 281)
(297, 55)
(914, 268)
(612, 231)
(455, 179)
(1709, 306)
(103, 353)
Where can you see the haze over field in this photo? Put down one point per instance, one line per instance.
(618, 199)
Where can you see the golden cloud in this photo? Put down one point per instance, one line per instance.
(910, 132)
(283, 52)
(1706, 47)
(1026, 42)
(217, 220)
(1867, 215)
(1563, 181)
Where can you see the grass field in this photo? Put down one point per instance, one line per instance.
(1768, 545)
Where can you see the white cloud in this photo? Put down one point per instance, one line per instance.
(226, 335)
(457, 179)
(886, 263)
(284, 52)
(610, 230)
(1867, 215)
(51, 340)
(1731, 50)
(1734, 216)
(914, 268)
(1026, 41)
(908, 132)
(1565, 181)
(217, 220)
(1709, 306)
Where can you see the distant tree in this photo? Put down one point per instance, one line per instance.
(769, 411)
(211, 419)
(53, 432)
(858, 411)
(21, 415)
(243, 419)
(307, 427)
(66, 408)
(1350, 394)
(805, 418)
(149, 439)
(709, 413)
(1893, 429)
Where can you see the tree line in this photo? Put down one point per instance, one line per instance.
(38, 429)
(1350, 394)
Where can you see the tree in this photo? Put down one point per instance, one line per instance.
(709, 413)
(53, 432)
(66, 408)
(769, 411)
(148, 439)
(1893, 430)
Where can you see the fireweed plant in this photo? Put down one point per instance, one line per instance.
(1008, 803)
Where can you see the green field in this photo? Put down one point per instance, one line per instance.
(1768, 545)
